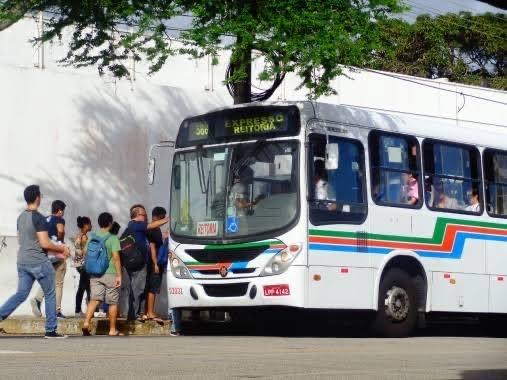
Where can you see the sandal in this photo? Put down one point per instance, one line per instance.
(86, 331)
(117, 334)
(156, 319)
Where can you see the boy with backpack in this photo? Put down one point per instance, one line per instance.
(102, 263)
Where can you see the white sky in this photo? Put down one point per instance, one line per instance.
(434, 7)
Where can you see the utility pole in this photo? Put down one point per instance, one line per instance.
(41, 43)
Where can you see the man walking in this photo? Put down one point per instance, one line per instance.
(106, 288)
(56, 232)
(33, 263)
(133, 292)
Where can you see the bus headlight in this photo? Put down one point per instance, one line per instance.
(280, 262)
(178, 269)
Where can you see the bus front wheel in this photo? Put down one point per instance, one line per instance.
(397, 305)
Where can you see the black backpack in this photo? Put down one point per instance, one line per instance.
(132, 258)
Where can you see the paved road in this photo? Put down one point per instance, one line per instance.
(207, 357)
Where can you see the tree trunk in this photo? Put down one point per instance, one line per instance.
(243, 88)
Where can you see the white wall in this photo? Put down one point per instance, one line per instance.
(85, 139)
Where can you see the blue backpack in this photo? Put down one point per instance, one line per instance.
(162, 254)
(97, 259)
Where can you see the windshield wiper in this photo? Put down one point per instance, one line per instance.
(235, 169)
(200, 169)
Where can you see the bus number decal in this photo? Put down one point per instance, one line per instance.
(176, 291)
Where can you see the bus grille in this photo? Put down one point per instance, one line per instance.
(208, 272)
(226, 290)
(211, 256)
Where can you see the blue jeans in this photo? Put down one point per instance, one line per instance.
(176, 323)
(44, 274)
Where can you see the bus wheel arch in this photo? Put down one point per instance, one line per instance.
(401, 294)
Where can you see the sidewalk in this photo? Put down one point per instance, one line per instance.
(72, 326)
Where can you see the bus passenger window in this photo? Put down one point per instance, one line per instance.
(394, 161)
(337, 196)
(452, 177)
(495, 169)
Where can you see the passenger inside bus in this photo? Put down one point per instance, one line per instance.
(323, 190)
(473, 201)
(441, 199)
(410, 189)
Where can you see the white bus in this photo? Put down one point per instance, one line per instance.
(319, 206)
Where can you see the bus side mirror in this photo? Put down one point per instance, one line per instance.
(332, 156)
(151, 171)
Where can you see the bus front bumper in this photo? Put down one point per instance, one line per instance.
(286, 289)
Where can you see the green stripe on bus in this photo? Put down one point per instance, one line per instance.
(438, 233)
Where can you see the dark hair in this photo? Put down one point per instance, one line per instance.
(134, 210)
(105, 220)
(474, 192)
(159, 212)
(31, 193)
(57, 205)
(115, 228)
(83, 221)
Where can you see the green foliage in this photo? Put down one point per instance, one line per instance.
(461, 47)
(309, 37)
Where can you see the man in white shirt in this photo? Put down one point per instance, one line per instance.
(323, 191)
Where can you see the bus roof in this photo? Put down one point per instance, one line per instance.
(467, 132)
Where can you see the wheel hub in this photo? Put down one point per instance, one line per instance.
(397, 303)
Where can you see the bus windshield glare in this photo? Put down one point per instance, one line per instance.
(234, 191)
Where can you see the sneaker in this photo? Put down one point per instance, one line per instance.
(54, 335)
(99, 314)
(175, 333)
(60, 315)
(35, 307)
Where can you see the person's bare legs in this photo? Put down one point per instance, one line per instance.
(92, 305)
(113, 316)
(150, 305)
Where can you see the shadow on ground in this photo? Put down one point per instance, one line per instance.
(331, 324)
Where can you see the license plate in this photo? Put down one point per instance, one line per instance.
(276, 290)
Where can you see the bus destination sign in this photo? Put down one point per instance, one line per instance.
(239, 124)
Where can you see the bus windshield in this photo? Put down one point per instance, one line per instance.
(234, 191)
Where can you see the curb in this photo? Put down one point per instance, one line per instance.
(72, 326)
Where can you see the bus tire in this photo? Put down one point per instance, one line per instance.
(396, 316)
